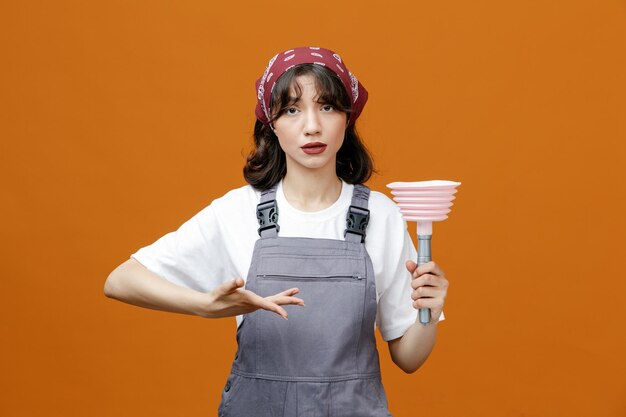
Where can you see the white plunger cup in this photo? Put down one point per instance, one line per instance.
(424, 202)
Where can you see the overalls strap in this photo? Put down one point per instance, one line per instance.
(267, 213)
(357, 217)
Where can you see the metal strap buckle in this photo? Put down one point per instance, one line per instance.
(356, 222)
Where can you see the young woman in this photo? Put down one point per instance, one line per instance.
(326, 260)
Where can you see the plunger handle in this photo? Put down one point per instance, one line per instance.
(423, 256)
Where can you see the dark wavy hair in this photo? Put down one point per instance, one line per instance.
(266, 164)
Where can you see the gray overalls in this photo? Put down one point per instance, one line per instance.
(323, 361)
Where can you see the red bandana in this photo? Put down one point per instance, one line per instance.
(284, 61)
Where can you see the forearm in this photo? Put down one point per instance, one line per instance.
(134, 284)
(412, 349)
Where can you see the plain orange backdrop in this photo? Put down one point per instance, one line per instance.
(121, 120)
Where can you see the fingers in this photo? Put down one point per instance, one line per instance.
(423, 268)
(282, 300)
(432, 303)
(285, 297)
(429, 280)
(428, 292)
(274, 302)
(429, 285)
(268, 305)
(290, 291)
(234, 298)
(230, 286)
(428, 267)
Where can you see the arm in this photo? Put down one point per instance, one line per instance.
(134, 284)
(410, 351)
(430, 287)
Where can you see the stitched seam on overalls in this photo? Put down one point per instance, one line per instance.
(361, 322)
(329, 408)
(285, 399)
(255, 344)
(344, 249)
(308, 378)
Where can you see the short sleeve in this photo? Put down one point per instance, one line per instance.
(395, 306)
(193, 256)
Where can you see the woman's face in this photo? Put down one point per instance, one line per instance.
(306, 122)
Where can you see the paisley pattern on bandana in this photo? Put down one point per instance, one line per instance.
(354, 83)
(261, 90)
(307, 55)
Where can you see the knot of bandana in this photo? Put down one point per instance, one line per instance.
(284, 61)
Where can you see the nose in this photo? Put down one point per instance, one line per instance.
(311, 123)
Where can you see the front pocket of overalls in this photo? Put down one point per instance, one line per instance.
(228, 392)
(319, 339)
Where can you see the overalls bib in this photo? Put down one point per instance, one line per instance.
(322, 361)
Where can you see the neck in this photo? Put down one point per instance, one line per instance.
(309, 190)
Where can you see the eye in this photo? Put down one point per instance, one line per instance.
(288, 111)
(328, 106)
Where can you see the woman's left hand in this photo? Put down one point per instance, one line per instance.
(430, 287)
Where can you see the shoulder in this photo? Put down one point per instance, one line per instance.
(236, 199)
(386, 221)
(383, 207)
(235, 211)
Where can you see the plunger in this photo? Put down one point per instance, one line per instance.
(424, 202)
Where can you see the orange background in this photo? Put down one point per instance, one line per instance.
(121, 120)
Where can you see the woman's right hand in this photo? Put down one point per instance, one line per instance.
(230, 300)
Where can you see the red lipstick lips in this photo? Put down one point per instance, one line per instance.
(314, 144)
(314, 148)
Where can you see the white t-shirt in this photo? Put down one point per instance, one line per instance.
(216, 245)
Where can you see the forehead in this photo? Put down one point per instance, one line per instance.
(303, 85)
(304, 81)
